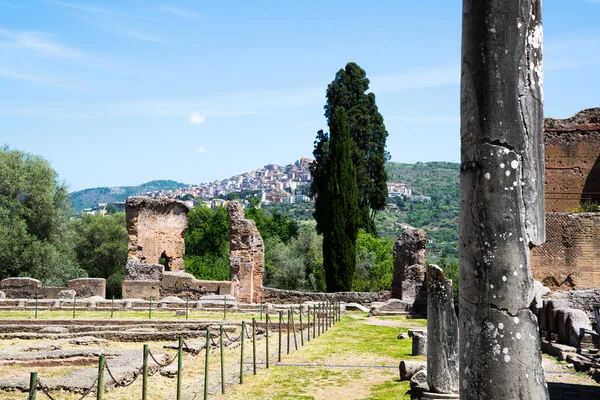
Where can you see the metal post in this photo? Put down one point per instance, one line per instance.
(179, 366)
(36, 306)
(280, 322)
(319, 319)
(145, 374)
(254, 345)
(74, 305)
(326, 309)
(112, 306)
(267, 337)
(261, 307)
(100, 389)
(308, 327)
(225, 308)
(187, 306)
(150, 309)
(32, 386)
(294, 328)
(242, 352)
(222, 361)
(314, 307)
(288, 332)
(301, 328)
(206, 364)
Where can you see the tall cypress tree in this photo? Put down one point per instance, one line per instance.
(340, 219)
(368, 135)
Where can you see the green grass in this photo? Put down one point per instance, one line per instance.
(351, 343)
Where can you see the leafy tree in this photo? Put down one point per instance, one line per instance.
(207, 243)
(273, 224)
(374, 264)
(368, 133)
(342, 213)
(35, 236)
(101, 248)
(297, 265)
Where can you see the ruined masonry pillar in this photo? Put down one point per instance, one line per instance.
(502, 199)
(442, 334)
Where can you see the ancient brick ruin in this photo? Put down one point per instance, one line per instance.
(569, 259)
(156, 229)
(246, 256)
(572, 169)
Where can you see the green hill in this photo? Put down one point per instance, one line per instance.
(89, 198)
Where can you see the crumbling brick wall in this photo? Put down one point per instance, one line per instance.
(570, 257)
(572, 151)
(156, 229)
(246, 256)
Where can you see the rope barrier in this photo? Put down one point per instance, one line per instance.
(122, 384)
(159, 364)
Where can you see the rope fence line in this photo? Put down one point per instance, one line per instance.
(324, 315)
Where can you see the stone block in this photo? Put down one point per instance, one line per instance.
(66, 294)
(141, 290)
(2, 295)
(88, 287)
(137, 271)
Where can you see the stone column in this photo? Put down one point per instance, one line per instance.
(442, 334)
(502, 199)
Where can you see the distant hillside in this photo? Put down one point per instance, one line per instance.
(434, 179)
(89, 198)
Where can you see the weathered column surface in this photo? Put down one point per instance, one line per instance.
(442, 333)
(502, 199)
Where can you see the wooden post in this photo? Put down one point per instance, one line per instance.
(502, 214)
(145, 374)
(221, 345)
(206, 364)
(100, 388)
(179, 366)
(243, 335)
(33, 386)
(254, 345)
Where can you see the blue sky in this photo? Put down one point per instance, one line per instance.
(121, 92)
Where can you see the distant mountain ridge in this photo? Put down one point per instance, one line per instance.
(89, 198)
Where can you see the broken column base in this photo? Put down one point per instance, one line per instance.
(434, 396)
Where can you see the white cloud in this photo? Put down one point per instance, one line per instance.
(196, 119)
(37, 79)
(201, 149)
(35, 42)
(180, 12)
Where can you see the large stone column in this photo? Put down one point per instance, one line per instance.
(502, 199)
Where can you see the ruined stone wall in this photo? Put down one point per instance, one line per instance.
(280, 296)
(29, 288)
(572, 152)
(246, 256)
(570, 257)
(156, 229)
